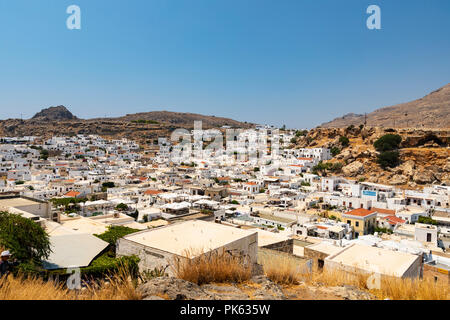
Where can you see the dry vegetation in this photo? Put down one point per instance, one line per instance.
(214, 267)
(118, 287)
(286, 273)
(221, 267)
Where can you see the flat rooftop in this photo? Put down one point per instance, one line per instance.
(17, 202)
(266, 238)
(275, 218)
(85, 225)
(373, 259)
(194, 235)
(325, 247)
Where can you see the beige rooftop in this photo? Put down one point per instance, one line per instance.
(373, 259)
(195, 236)
(266, 238)
(325, 247)
(17, 202)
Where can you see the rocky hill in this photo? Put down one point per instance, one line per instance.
(431, 111)
(424, 155)
(54, 114)
(141, 127)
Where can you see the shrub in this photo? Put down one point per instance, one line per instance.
(337, 167)
(389, 159)
(108, 184)
(44, 154)
(121, 207)
(388, 142)
(114, 233)
(107, 265)
(335, 151)
(344, 141)
(427, 220)
(383, 230)
(300, 133)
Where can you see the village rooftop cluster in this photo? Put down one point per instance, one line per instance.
(277, 203)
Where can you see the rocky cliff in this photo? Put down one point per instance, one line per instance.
(424, 155)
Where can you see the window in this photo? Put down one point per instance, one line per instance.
(320, 263)
(349, 222)
(428, 237)
(357, 223)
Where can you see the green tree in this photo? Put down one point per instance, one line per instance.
(388, 142)
(121, 207)
(389, 159)
(26, 239)
(107, 185)
(44, 154)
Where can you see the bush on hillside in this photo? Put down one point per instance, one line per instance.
(388, 142)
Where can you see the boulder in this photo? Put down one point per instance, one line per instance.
(407, 168)
(173, 288)
(268, 291)
(424, 177)
(353, 169)
(446, 168)
(398, 179)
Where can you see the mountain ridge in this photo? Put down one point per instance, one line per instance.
(430, 111)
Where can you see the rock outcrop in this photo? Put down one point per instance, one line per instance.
(54, 114)
(258, 288)
(353, 169)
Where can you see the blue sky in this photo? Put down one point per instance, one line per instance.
(293, 62)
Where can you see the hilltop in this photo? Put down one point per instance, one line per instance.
(183, 119)
(54, 114)
(431, 111)
(141, 127)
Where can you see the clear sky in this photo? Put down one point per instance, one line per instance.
(292, 62)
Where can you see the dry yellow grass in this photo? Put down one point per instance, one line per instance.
(408, 289)
(282, 270)
(118, 287)
(286, 272)
(212, 267)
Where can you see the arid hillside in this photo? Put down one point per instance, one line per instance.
(141, 127)
(430, 112)
(424, 155)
